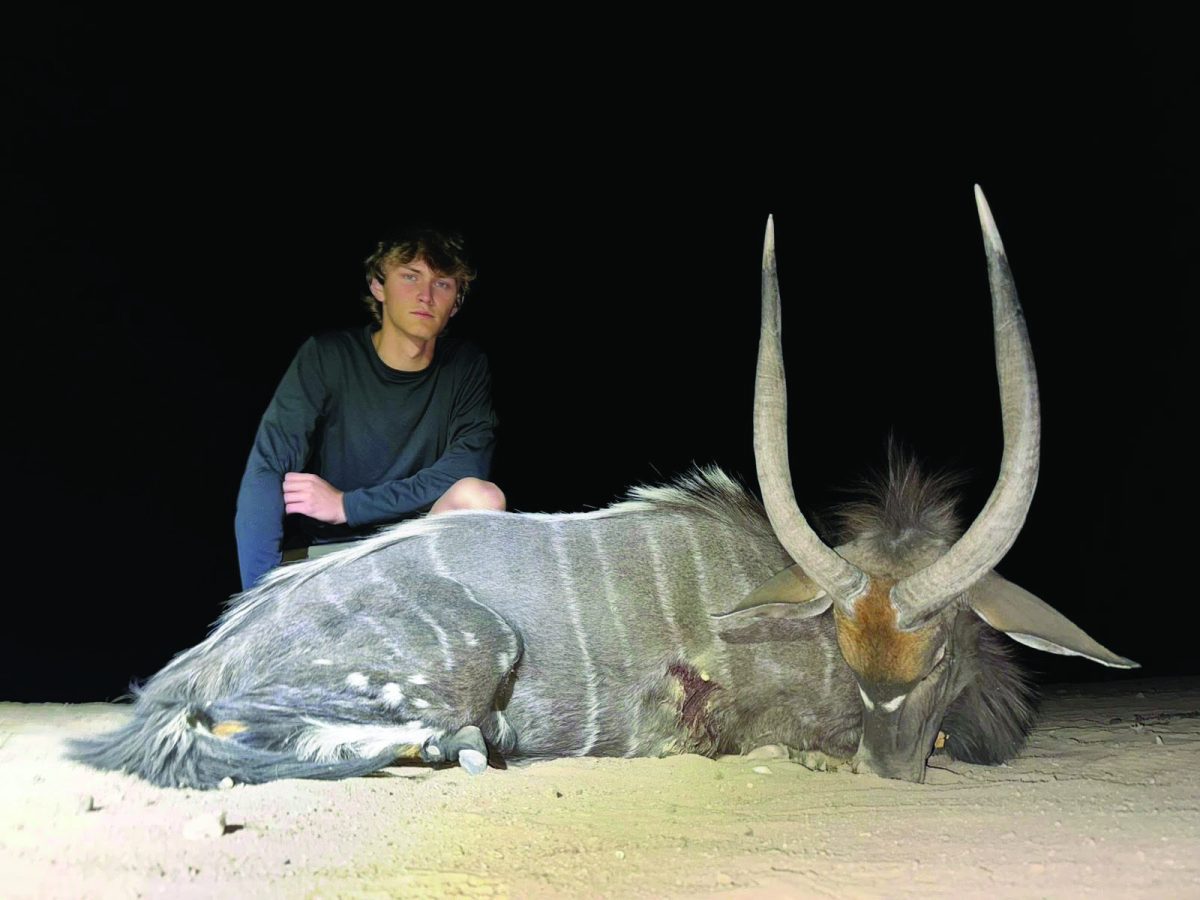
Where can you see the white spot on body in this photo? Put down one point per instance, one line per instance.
(419, 703)
(470, 638)
(322, 662)
(357, 680)
(417, 679)
(391, 695)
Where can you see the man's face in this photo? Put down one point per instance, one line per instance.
(417, 301)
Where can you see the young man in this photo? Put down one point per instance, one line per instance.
(376, 424)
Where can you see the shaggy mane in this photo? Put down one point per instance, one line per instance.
(707, 489)
(903, 508)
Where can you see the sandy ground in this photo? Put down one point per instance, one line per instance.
(1104, 801)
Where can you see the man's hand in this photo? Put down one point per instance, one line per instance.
(313, 496)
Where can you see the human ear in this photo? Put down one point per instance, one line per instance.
(376, 289)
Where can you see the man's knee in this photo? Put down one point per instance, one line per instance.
(470, 493)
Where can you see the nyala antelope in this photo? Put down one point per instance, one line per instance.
(686, 619)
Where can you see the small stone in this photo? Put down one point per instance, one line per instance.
(768, 751)
(210, 825)
(761, 770)
(619, 854)
(1141, 695)
(86, 804)
(554, 793)
(723, 878)
(225, 783)
(1158, 739)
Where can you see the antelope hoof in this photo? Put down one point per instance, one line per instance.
(465, 747)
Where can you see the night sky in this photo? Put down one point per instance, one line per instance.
(183, 217)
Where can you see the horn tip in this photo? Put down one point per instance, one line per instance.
(769, 242)
(991, 233)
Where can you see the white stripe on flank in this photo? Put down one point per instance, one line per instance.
(572, 602)
(830, 654)
(357, 680)
(893, 704)
(741, 581)
(662, 589)
(697, 562)
(867, 701)
(718, 665)
(325, 742)
(443, 639)
(621, 632)
(435, 558)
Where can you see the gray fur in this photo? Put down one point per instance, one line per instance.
(555, 634)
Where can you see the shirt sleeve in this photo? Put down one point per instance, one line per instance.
(281, 445)
(472, 441)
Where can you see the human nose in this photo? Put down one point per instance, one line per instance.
(425, 294)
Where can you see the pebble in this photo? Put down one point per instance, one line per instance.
(619, 854)
(768, 751)
(86, 804)
(762, 770)
(225, 783)
(201, 828)
(1158, 739)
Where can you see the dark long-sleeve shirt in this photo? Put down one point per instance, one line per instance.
(393, 441)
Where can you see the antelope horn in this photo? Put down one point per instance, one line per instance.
(999, 522)
(843, 581)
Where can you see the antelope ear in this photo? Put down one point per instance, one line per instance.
(790, 594)
(1023, 617)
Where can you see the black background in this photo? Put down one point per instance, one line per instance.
(184, 210)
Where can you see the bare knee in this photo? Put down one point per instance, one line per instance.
(470, 493)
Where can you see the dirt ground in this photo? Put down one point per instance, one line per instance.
(1105, 800)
